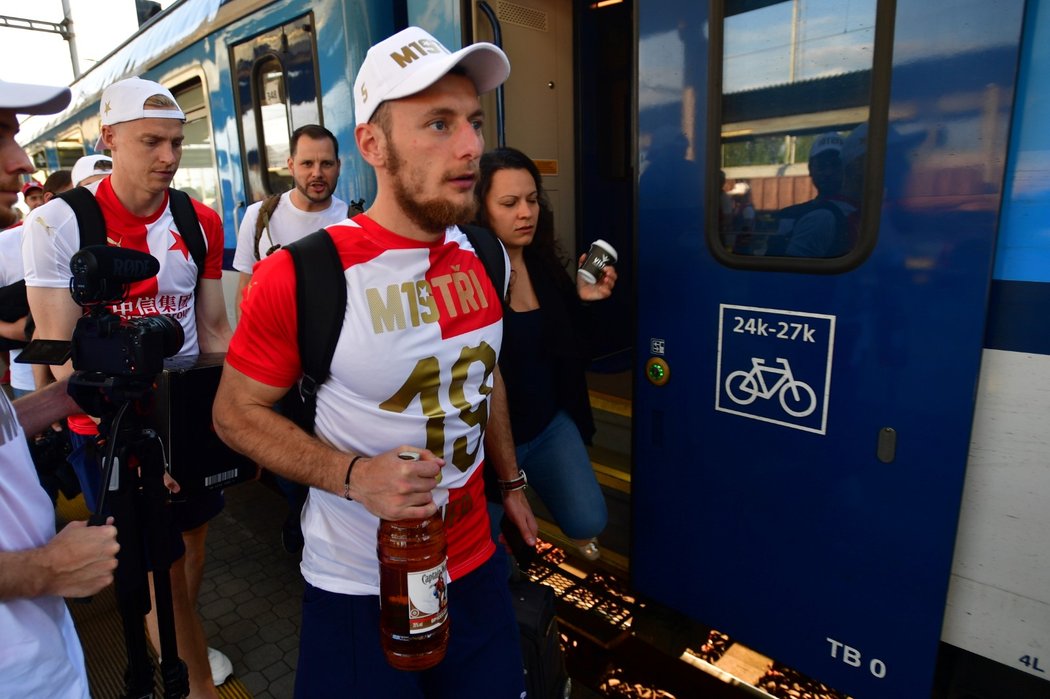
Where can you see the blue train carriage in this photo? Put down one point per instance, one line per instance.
(835, 452)
(246, 73)
(847, 383)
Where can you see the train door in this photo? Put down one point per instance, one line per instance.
(276, 91)
(810, 326)
(567, 104)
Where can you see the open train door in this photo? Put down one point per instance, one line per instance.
(808, 367)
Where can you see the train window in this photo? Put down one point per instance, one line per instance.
(197, 175)
(70, 148)
(275, 123)
(795, 102)
(277, 92)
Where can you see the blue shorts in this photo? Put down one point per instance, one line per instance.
(340, 654)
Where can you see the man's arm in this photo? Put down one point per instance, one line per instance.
(213, 327)
(499, 453)
(78, 562)
(388, 487)
(56, 316)
(15, 330)
(40, 408)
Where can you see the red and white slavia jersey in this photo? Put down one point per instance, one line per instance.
(51, 237)
(413, 366)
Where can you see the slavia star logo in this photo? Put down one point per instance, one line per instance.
(179, 244)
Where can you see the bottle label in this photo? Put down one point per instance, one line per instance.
(427, 599)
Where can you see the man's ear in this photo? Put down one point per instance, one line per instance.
(371, 142)
(106, 136)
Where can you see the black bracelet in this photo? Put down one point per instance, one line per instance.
(346, 483)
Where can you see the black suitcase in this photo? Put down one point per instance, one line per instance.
(545, 674)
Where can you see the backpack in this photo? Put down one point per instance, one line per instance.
(269, 205)
(92, 224)
(321, 307)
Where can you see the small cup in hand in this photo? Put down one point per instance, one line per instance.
(600, 255)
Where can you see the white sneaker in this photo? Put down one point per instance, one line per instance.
(221, 667)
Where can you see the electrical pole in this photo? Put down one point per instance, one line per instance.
(63, 29)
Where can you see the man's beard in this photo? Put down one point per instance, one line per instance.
(433, 215)
(310, 196)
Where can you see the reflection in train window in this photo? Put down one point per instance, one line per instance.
(796, 85)
(197, 175)
(277, 91)
(274, 123)
(70, 148)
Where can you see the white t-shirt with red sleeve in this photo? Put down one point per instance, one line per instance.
(413, 366)
(51, 237)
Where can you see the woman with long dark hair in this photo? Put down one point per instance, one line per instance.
(544, 351)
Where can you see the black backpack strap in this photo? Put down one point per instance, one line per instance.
(320, 299)
(490, 252)
(189, 226)
(90, 222)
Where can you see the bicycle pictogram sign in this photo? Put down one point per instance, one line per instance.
(796, 397)
(775, 365)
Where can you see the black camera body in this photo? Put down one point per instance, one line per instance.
(129, 348)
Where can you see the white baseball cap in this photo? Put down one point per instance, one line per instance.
(412, 60)
(825, 142)
(33, 99)
(124, 101)
(90, 165)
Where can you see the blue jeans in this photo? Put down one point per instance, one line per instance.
(559, 470)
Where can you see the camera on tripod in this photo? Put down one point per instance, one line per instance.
(118, 360)
(117, 357)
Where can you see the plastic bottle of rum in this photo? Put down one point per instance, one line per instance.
(413, 596)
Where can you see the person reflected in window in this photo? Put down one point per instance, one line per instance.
(544, 357)
(823, 226)
(670, 186)
(742, 222)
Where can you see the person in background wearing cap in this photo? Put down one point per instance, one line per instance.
(822, 226)
(142, 126)
(33, 194)
(41, 654)
(90, 169)
(415, 370)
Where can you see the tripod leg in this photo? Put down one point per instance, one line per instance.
(131, 588)
(156, 511)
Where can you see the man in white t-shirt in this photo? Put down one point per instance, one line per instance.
(305, 208)
(414, 369)
(142, 126)
(40, 654)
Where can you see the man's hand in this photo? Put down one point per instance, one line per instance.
(80, 560)
(516, 507)
(394, 488)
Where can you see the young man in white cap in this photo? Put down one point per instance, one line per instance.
(822, 226)
(142, 125)
(414, 370)
(41, 654)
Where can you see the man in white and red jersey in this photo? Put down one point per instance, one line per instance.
(142, 125)
(414, 369)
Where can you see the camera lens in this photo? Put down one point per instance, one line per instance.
(166, 329)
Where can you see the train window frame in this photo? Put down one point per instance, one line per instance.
(871, 198)
(261, 64)
(179, 86)
(251, 52)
